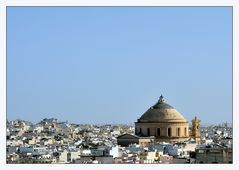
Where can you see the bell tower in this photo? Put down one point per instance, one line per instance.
(196, 130)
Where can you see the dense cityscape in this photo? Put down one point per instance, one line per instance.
(54, 141)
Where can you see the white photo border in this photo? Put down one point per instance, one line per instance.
(8, 3)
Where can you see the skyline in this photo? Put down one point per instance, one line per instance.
(202, 125)
(138, 54)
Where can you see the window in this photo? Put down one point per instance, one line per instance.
(158, 132)
(68, 157)
(148, 131)
(185, 131)
(201, 151)
(169, 132)
(178, 131)
(140, 131)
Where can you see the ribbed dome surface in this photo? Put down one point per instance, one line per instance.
(162, 112)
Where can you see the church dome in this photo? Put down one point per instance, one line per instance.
(161, 112)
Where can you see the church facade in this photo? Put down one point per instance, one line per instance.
(163, 123)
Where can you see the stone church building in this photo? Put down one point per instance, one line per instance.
(162, 123)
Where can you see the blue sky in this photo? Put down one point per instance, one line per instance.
(110, 64)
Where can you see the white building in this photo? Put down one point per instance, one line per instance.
(33, 150)
(114, 151)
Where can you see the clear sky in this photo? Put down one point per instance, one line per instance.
(110, 64)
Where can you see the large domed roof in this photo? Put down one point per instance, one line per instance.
(162, 112)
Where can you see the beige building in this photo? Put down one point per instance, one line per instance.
(163, 123)
(213, 155)
(195, 134)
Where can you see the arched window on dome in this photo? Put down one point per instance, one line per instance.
(178, 131)
(148, 130)
(169, 132)
(158, 131)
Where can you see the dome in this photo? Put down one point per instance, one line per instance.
(162, 112)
